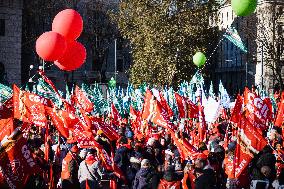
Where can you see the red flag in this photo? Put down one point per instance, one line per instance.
(148, 107)
(236, 113)
(112, 184)
(134, 118)
(6, 127)
(251, 136)
(115, 115)
(6, 109)
(192, 109)
(87, 185)
(249, 140)
(161, 118)
(48, 81)
(257, 110)
(280, 113)
(166, 106)
(57, 119)
(46, 145)
(185, 148)
(29, 107)
(82, 100)
(110, 133)
(242, 158)
(202, 125)
(182, 106)
(17, 163)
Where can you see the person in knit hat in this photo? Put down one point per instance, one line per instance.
(90, 173)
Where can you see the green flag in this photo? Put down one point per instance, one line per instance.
(5, 93)
(232, 35)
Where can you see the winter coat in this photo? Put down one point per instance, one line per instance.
(207, 180)
(146, 178)
(121, 158)
(89, 170)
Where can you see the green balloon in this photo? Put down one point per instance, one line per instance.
(243, 7)
(112, 82)
(199, 59)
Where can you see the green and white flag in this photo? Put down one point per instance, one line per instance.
(5, 93)
(45, 90)
(232, 35)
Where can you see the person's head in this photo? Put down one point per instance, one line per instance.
(265, 170)
(200, 161)
(169, 174)
(151, 142)
(145, 163)
(202, 146)
(267, 149)
(169, 155)
(100, 132)
(129, 134)
(163, 142)
(168, 138)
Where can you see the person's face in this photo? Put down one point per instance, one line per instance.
(199, 163)
(163, 142)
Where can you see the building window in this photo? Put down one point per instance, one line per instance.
(227, 16)
(2, 27)
(120, 66)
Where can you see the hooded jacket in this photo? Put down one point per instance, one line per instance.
(145, 178)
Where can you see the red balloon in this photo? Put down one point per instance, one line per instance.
(68, 23)
(50, 46)
(73, 58)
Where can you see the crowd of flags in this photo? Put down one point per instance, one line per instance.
(80, 112)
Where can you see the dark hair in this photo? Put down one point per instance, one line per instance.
(267, 149)
(123, 140)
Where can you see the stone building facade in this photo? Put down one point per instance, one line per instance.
(10, 41)
(237, 69)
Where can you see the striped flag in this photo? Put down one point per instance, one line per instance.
(5, 93)
(232, 35)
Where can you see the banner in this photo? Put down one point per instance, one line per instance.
(257, 110)
(16, 164)
(82, 100)
(236, 113)
(242, 158)
(182, 105)
(57, 119)
(6, 109)
(29, 107)
(6, 127)
(280, 113)
(251, 136)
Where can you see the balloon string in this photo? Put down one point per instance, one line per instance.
(213, 51)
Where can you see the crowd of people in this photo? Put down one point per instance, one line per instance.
(153, 161)
(156, 146)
